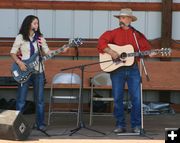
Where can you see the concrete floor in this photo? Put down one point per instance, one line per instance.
(61, 124)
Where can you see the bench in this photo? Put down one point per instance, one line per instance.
(164, 75)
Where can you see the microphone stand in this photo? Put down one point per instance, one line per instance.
(81, 124)
(40, 65)
(141, 58)
(142, 65)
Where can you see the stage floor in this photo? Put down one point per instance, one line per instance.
(61, 124)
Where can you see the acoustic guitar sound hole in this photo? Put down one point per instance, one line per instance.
(123, 55)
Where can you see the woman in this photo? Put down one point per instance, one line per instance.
(26, 43)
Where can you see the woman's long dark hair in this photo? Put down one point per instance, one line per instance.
(26, 25)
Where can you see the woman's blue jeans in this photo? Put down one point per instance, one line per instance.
(119, 77)
(37, 80)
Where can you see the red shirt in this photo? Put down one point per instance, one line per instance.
(122, 37)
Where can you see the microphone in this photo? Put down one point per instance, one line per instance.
(136, 30)
(36, 36)
(34, 30)
(130, 26)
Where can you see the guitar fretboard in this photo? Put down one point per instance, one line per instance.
(52, 54)
(143, 53)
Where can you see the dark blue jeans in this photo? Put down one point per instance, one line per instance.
(37, 80)
(119, 77)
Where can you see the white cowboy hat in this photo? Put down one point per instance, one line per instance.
(126, 12)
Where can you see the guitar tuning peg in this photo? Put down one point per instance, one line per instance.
(70, 41)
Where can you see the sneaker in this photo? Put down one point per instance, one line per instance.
(136, 130)
(119, 130)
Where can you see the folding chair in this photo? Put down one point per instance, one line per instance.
(63, 79)
(100, 79)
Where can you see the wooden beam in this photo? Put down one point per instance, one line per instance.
(79, 5)
(176, 7)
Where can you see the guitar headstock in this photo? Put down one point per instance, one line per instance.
(75, 42)
(164, 51)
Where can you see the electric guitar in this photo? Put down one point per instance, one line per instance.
(23, 76)
(126, 56)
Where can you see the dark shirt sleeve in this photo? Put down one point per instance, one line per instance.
(103, 41)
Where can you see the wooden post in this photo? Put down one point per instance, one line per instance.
(166, 23)
(166, 32)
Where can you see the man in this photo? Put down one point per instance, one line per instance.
(121, 36)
